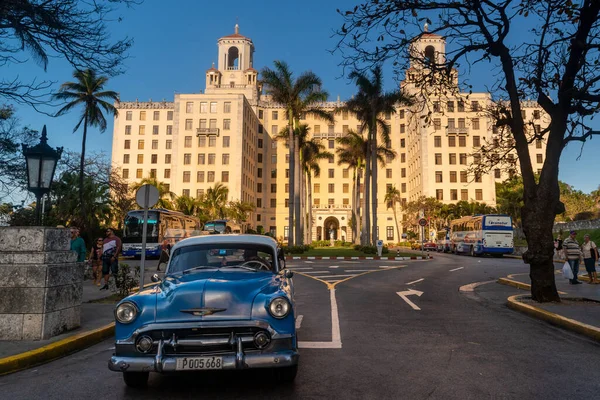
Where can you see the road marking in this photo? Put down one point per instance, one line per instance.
(308, 262)
(299, 321)
(403, 295)
(352, 262)
(359, 270)
(332, 285)
(300, 269)
(319, 272)
(334, 266)
(385, 266)
(343, 275)
(418, 280)
(336, 337)
(471, 286)
(456, 269)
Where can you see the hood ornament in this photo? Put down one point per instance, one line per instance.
(201, 312)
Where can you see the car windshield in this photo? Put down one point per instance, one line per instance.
(221, 255)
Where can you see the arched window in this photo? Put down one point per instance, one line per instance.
(233, 58)
(429, 55)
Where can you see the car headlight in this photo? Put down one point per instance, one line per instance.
(126, 312)
(279, 307)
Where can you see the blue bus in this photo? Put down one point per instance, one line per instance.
(162, 224)
(482, 234)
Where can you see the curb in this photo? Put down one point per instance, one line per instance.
(357, 258)
(554, 319)
(55, 350)
(517, 284)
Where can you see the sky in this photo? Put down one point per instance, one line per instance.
(176, 42)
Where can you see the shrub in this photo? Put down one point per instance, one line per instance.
(321, 243)
(125, 280)
(295, 249)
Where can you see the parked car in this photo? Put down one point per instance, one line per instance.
(226, 302)
(443, 245)
(430, 246)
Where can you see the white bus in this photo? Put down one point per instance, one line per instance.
(482, 234)
(222, 226)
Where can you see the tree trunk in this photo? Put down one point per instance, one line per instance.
(396, 220)
(365, 237)
(297, 183)
(292, 180)
(374, 169)
(309, 222)
(354, 209)
(81, 173)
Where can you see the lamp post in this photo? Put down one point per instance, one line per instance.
(41, 164)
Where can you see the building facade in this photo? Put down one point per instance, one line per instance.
(228, 134)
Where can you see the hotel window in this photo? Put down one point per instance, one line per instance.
(476, 141)
(189, 107)
(274, 115)
(437, 124)
(154, 144)
(403, 188)
(461, 106)
(212, 124)
(140, 145)
(317, 202)
(451, 141)
(155, 129)
(437, 141)
(260, 114)
(452, 176)
(169, 115)
(211, 158)
(226, 124)
(167, 159)
(478, 194)
(210, 176)
(331, 173)
(478, 177)
(389, 232)
(331, 143)
(345, 129)
(401, 114)
(169, 129)
(227, 107)
(345, 115)
(259, 172)
(225, 176)
(199, 193)
(274, 130)
(402, 143)
(186, 176)
(225, 159)
(463, 176)
(188, 124)
(203, 107)
(142, 130)
(187, 159)
(273, 173)
(462, 141)
(475, 124)
(497, 173)
(201, 159)
(317, 129)
(317, 188)
(187, 142)
(259, 157)
(388, 173)
(128, 129)
(331, 188)
(476, 158)
(258, 203)
(331, 128)
(225, 141)
(402, 128)
(203, 124)
(464, 194)
(463, 159)
(453, 194)
(475, 105)
(438, 158)
(274, 205)
(156, 115)
(259, 144)
(167, 187)
(200, 176)
(128, 115)
(436, 106)
(154, 159)
(539, 158)
(461, 123)
(142, 115)
(345, 173)
(167, 173)
(402, 157)
(439, 194)
(450, 106)
(185, 192)
(403, 173)
(331, 201)
(127, 144)
(273, 188)
(201, 141)
(438, 177)
(345, 188)
(213, 107)
(138, 173)
(153, 173)
(536, 114)
(452, 158)
(259, 187)
(125, 158)
(125, 174)
(538, 143)
(286, 188)
(346, 201)
(212, 141)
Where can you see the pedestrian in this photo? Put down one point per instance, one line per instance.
(558, 246)
(574, 255)
(111, 248)
(77, 244)
(590, 256)
(96, 260)
(165, 252)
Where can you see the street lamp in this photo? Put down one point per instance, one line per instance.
(41, 163)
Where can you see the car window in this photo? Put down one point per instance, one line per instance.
(218, 255)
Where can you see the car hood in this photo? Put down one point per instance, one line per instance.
(211, 295)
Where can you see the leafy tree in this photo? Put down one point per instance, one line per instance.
(556, 64)
(238, 211)
(215, 201)
(187, 205)
(87, 91)
(392, 199)
(298, 96)
(370, 105)
(165, 196)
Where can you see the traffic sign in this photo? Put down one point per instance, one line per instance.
(423, 222)
(380, 243)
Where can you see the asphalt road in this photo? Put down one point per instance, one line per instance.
(448, 346)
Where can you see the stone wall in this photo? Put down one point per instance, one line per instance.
(576, 225)
(40, 283)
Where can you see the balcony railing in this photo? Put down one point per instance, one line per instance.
(207, 131)
(231, 86)
(331, 206)
(459, 130)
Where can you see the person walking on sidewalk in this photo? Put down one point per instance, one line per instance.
(77, 244)
(574, 255)
(96, 261)
(111, 249)
(590, 255)
(165, 251)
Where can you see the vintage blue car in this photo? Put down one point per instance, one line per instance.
(226, 302)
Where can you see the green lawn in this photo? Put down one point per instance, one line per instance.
(343, 252)
(594, 236)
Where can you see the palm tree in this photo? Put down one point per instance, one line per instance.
(297, 96)
(369, 105)
(165, 196)
(392, 198)
(87, 91)
(238, 211)
(187, 205)
(215, 201)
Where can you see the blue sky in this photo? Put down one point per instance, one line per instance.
(175, 42)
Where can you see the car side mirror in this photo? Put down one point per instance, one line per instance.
(288, 274)
(155, 278)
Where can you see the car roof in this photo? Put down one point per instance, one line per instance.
(228, 238)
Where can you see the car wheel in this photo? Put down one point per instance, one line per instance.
(136, 379)
(286, 374)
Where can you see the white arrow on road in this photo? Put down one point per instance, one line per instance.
(406, 293)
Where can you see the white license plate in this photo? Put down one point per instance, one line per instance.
(199, 363)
